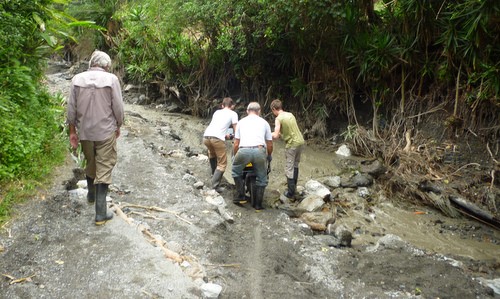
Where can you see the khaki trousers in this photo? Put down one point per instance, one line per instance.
(217, 149)
(292, 160)
(101, 157)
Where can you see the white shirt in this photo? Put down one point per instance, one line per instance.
(221, 121)
(253, 130)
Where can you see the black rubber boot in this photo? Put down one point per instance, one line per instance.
(259, 197)
(291, 188)
(216, 178)
(296, 175)
(213, 164)
(239, 193)
(91, 190)
(101, 210)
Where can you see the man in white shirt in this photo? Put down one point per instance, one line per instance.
(214, 139)
(253, 143)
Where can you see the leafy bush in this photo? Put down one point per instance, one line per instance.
(31, 141)
(28, 124)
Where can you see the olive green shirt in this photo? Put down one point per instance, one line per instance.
(290, 131)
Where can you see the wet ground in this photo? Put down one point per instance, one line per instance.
(172, 241)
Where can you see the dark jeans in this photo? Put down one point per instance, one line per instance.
(256, 156)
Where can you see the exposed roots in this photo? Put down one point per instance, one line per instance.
(427, 169)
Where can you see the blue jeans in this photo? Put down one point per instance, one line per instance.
(256, 156)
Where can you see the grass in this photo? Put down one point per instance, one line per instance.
(32, 181)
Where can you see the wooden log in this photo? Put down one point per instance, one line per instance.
(474, 211)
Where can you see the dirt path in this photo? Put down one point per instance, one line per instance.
(53, 240)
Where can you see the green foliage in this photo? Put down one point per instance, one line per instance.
(30, 118)
(320, 52)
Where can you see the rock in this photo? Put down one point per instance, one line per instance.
(494, 284)
(191, 179)
(332, 181)
(224, 213)
(199, 185)
(175, 136)
(374, 168)
(82, 184)
(363, 192)
(291, 211)
(306, 229)
(358, 180)
(211, 290)
(343, 151)
(389, 241)
(311, 203)
(316, 188)
(322, 218)
(164, 130)
(343, 235)
(215, 199)
(78, 194)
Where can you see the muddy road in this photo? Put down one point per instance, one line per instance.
(172, 237)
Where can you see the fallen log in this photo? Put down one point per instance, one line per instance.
(472, 210)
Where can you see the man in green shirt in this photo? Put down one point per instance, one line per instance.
(286, 126)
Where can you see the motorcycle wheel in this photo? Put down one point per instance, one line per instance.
(250, 184)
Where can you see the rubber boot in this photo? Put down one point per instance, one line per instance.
(101, 210)
(213, 164)
(216, 178)
(291, 188)
(239, 193)
(259, 197)
(295, 175)
(91, 190)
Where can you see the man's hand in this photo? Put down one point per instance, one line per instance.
(117, 132)
(73, 140)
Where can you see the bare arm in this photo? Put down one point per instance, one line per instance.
(269, 146)
(236, 146)
(277, 129)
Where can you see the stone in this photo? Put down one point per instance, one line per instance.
(343, 235)
(316, 188)
(318, 217)
(343, 151)
(199, 185)
(191, 179)
(332, 181)
(375, 168)
(311, 202)
(363, 192)
(211, 290)
(358, 180)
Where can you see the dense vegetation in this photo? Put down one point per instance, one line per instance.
(30, 118)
